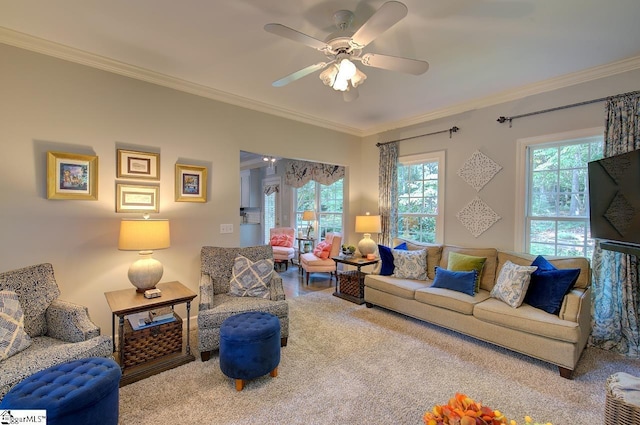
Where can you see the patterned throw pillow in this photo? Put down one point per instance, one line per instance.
(410, 264)
(251, 279)
(512, 283)
(13, 338)
(463, 263)
(281, 240)
(322, 250)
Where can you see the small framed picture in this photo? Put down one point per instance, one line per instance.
(137, 198)
(138, 165)
(71, 176)
(191, 183)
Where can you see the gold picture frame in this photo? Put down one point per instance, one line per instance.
(132, 198)
(191, 183)
(138, 165)
(72, 176)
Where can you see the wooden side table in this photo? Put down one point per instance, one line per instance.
(128, 301)
(358, 263)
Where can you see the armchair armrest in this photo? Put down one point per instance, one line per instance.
(206, 292)
(276, 289)
(70, 322)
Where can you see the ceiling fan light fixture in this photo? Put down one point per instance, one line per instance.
(358, 78)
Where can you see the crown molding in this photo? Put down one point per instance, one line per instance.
(39, 45)
(60, 51)
(607, 70)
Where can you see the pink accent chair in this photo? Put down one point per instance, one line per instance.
(311, 263)
(281, 240)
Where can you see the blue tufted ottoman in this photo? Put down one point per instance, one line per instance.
(78, 392)
(249, 346)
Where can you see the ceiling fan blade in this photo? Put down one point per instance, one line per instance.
(351, 94)
(294, 35)
(299, 74)
(384, 18)
(393, 63)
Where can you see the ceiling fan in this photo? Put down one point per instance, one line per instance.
(344, 47)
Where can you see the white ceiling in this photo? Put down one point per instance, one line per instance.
(480, 52)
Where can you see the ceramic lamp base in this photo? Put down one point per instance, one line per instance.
(367, 245)
(146, 272)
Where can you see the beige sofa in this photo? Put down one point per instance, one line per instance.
(555, 339)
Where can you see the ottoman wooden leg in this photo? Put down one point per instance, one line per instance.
(239, 384)
(274, 373)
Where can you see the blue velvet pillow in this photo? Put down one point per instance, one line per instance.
(386, 257)
(464, 282)
(549, 285)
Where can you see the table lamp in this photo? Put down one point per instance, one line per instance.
(144, 236)
(309, 216)
(367, 224)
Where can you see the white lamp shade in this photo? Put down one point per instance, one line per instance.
(144, 235)
(368, 224)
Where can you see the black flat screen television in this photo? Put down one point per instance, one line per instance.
(614, 198)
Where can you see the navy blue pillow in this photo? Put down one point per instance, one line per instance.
(464, 282)
(386, 257)
(549, 285)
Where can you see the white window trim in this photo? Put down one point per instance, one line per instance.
(522, 171)
(439, 156)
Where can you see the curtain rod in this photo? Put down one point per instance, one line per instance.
(451, 130)
(501, 120)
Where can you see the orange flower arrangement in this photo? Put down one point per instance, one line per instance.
(462, 410)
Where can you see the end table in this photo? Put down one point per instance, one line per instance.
(358, 263)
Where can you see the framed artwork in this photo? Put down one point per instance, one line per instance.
(72, 176)
(191, 183)
(137, 198)
(138, 165)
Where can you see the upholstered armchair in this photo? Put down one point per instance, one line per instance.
(281, 240)
(320, 259)
(58, 331)
(217, 302)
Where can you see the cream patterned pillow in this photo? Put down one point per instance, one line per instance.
(251, 279)
(512, 283)
(410, 264)
(13, 338)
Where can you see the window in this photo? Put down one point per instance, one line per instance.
(420, 195)
(329, 214)
(557, 201)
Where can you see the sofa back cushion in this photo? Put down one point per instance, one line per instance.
(488, 276)
(218, 262)
(434, 253)
(584, 279)
(36, 288)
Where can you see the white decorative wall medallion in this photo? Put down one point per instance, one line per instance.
(477, 217)
(478, 170)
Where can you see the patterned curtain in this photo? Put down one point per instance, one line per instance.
(272, 188)
(388, 188)
(299, 173)
(615, 307)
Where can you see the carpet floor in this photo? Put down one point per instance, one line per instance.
(347, 364)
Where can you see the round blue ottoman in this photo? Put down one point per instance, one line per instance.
(249, 346)
(82, 391)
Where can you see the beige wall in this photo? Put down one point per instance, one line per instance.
(50, 104)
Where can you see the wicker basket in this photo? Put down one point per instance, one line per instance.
(350, 283)
(617, 411)
(151, 343)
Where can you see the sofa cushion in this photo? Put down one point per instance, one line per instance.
(434, 253)
(513, 281)
(527, 319)
(549, 285)
(582, 263)
(13, 338)
(386, 259)
(464, 263)
(403, 288)
(451, 300)
(464, 282)
(251, 279)
(488, 275)
(36, 288)
(410, 264)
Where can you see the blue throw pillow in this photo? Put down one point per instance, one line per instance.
(386, 257)
(549, 285)
(464, 282)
